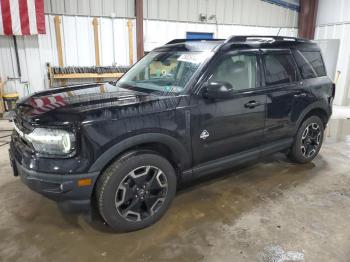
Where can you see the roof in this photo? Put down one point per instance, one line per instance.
(191, 45)
(243, 41)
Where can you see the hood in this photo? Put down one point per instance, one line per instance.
(91, 102)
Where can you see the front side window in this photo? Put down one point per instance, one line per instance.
(238, 70)
(310, 63)
(280, 69)
(164, 71)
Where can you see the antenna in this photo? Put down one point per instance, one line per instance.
(279, 30)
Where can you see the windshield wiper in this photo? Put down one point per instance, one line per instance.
(125, 85)
(136, 88)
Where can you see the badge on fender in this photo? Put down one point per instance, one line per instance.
(204, 135)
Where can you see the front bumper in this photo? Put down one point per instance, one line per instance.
(64, 188)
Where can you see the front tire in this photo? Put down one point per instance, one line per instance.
(135, 191)
(308, 140)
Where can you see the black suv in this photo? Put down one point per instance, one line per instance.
(186, 109)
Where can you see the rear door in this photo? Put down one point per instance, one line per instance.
(284, 93)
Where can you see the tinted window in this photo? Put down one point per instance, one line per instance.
(164, 71)
(238, 70)
(279, 69)
(310, 63)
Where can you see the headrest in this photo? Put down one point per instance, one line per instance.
(238, 66)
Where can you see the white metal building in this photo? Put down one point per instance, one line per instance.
(336, 25)
(164, 20)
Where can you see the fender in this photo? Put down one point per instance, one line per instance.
(326, 108)
(173, 144)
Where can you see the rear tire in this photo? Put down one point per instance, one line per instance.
(308, 140)
(135, 191)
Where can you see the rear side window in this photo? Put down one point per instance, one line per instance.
(280, 69)
(310, 63)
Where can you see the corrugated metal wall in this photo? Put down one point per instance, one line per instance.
(246, 12)
(333, 22)
(107, 8)
(160, 26)
(333, 11)
(167, 30)
(78, 49)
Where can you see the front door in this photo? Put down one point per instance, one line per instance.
(231, 125)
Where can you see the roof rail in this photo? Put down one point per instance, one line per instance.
(244, 38)
(176, 41)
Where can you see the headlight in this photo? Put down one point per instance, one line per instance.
(51, 141)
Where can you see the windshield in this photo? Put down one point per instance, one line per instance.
(164, 71)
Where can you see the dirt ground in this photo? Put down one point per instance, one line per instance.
(270, 210)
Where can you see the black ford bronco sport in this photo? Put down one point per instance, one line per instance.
(186, 109)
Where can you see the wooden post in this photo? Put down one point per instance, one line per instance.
(96, 41)
(97, 49)
(2, 108)
(57, 21)
(139, 28)
(131, 43)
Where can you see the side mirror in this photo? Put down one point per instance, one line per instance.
(217, 90)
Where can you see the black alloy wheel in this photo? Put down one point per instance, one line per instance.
(141, 193)
(310, 140)
(307, 141)
(136, 190)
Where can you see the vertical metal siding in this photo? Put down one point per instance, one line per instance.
(70, 40)
(57, 7)
(120, 8)
(333, 22)
(333, 11)
(152, 9)
(183, 10)
(247, 12)
(71, 7)
(106, 44)
(83, 7)
(47, 6)
(163, 9)
(342, 32)
(202, 8)
(8, 62)
(211, 6)
(130, 8)
(107, 7)
(220, 12)
(233, 17)
(249, 7)
(145, 9)
(85, 44)
(192, 7)
(95, 8)
(173, 9)
(229, 12)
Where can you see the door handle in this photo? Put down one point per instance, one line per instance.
(252, 104)
(300, 95)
